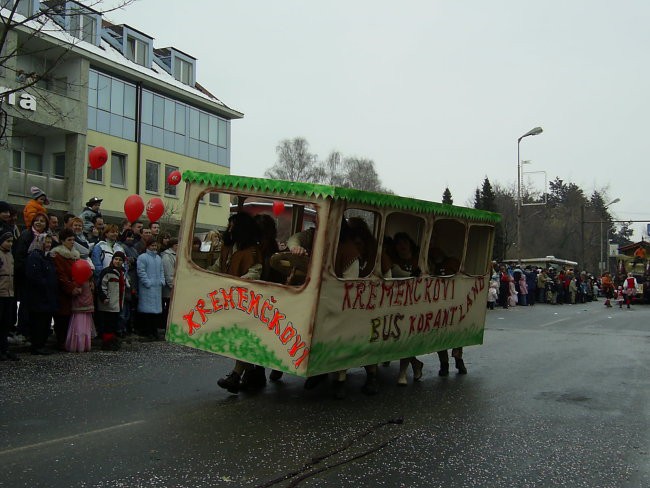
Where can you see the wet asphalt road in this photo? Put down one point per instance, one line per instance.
(557, 396)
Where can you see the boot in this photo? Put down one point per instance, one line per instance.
(253, 379)
(403, 367)
(313, 381)
(275, 375)
(417, 366)
(230, 382)
(372, 385)
(107, 341)
(339, 390)
(460, 366)
(444, 369)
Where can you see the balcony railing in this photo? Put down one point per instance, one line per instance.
(21, 181)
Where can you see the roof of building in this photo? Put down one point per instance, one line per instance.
(630, 248)
(106, 52)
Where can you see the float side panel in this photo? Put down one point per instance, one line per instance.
(368, 322)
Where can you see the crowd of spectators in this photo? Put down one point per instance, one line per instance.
(41, 294)
(512, 285)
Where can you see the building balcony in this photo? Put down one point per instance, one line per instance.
(21, 181)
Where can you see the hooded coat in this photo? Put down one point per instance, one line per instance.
(31, 209)
(151, 280)
(41, 279)
(63, 261)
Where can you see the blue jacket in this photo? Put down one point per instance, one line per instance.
(42, 282)
(151, 280)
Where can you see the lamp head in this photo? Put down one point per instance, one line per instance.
(532, 132)
(616, 200)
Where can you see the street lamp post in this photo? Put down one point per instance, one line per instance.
(531, 132)
(602, 259)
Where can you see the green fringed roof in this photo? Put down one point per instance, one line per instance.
(296, 188)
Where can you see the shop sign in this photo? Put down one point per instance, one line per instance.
(24, 100)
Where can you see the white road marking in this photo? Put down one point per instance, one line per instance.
(69, 437)
(554, 322)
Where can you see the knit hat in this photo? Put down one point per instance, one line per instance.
(4, 206)
(119, 254)
(37, 193)
(5, 236)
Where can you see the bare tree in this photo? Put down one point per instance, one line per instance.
(295, 162)
(331, 170)
(360, 174)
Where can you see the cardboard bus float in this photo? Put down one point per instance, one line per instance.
(322, 323)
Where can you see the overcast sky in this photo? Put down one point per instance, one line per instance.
(435, 92)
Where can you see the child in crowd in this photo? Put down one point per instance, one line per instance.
(111, 291)
(493, 294)
(7, 299)
(512, 297)
(82, 328)
(620, 297)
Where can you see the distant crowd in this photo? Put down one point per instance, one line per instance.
(512, 286)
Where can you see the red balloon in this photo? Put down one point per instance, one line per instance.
(278, 208)
(174, 178)
(81, 271)
(133, 207)
(155, 209)
(97, 157)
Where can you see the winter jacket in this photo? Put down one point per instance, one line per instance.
(102, 255)
(87, 215)
(112, 287)
(32, 208)
(6, 274)
(41, 280)
(168, 257)
(20, 251)
(82, 246)
(131, 267)
(85, 301)
(63, 261)
(151, 279)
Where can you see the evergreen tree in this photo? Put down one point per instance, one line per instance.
(446, 197)
(488, 199)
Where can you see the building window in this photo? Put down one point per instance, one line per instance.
(26, 8)
(118, 170)
(28, 162)
(82, 26)
(180, 119)
(111, 106)
(18, 161)
(152, 177)
(94, 175)
(58, 165)
(183, 71)
(147, 107)
(104, 93)
(214, 198)
(136, 51)
(170, 190)
(223, 133)
(117, 97)
(158, 111)
(34, 163)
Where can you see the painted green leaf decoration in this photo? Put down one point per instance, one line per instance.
(296, 188)
(234, 341)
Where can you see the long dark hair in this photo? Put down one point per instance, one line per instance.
(245, 232)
